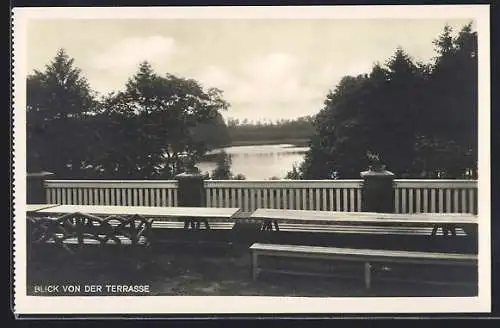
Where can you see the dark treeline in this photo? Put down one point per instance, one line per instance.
(160, 125)
(421, 118)
(245, 131)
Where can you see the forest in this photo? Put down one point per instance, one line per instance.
(156, 128)
(419, 118)
(297, 131)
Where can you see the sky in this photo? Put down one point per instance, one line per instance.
(268, 69)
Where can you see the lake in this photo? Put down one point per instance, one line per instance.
(259, 162)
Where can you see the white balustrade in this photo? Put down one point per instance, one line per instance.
(442, 196)
(410, 195)
(112, 192)
(285, 194)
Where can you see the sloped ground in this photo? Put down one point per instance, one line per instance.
(218, 264)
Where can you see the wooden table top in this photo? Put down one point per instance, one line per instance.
(145, 211)
(362, 217)
(38, 207)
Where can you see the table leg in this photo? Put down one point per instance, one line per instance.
(263, 226)
(267, 226)
(254, 265)
(452, 229)
(195, 224)
(368, 278)
(276, 227)
(446, 228)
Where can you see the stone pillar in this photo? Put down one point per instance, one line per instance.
(35, 187)
(191, 190)
(378, 191)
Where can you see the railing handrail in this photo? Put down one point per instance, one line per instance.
(434, 183)
(283, 183)
(111, 183)
(344, 183)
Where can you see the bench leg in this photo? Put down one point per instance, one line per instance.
(368, 278)
(207, 226)
(453, 230)
(254, 265)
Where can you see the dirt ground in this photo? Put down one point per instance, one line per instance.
(205, 269)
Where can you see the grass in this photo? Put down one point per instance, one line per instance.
(175, 267)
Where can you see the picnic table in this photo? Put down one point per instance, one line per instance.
(272, 217)
(192, 216)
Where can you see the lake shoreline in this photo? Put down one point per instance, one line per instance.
(258, 162)
(299, 142)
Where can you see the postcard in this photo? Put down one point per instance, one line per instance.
(251, 160)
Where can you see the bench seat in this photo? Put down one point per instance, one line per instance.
(90, 241)
(366, 256)
(353, 229)
(180, 225)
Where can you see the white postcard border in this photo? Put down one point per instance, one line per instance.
(235, 304)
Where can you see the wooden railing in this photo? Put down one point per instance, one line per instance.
(457, 196)
(325, 195)
(443, 196)
(112, 192)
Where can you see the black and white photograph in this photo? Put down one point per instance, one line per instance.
(252, 159)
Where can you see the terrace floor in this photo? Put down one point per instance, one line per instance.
(198, 269)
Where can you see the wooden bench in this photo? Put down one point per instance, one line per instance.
(214, 225)
(366, 256)
(81, 229)
(365, 229)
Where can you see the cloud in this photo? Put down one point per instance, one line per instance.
(272, 85)
(130, 52)
(272, 68)
(272, 78)
(214, 76)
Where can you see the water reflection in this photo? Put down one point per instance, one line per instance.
(258, 162)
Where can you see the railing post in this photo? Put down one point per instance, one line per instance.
(378, 191)
(191, 190)
(35, 187)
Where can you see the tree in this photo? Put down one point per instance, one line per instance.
(57, 98)
(155, 118)
(214, 133)
(294, 174)
(222, 170)
(239, 176)
(338, 141)
(151, 129)
(397, 111)
(449, 140)
(420, 118)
